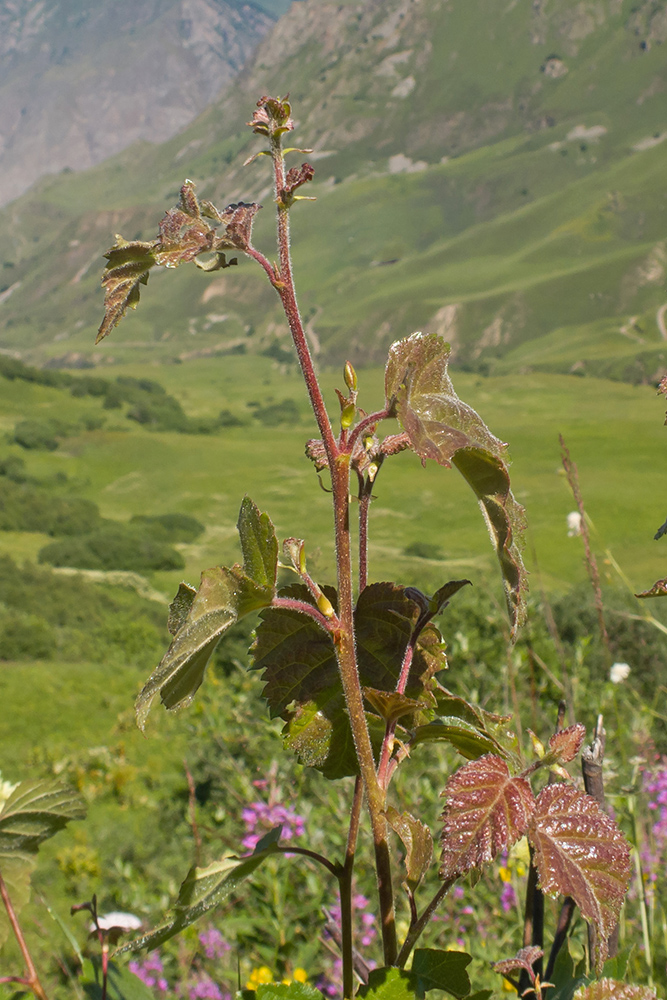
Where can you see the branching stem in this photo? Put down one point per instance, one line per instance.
(417, 925)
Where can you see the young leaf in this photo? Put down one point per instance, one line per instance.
(418, 843)
(443, 428)
(391, 706)
(566, 744)
(470, 741)
(128, 268)
(579, 851)
(525, 958)
(611, 989)
(391, 984)
(442, 970)
(659, 589)
(486, 811)
(203, 889)
(201, 619)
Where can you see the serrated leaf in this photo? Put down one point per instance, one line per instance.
(612, 989)
(203, 889)
(418, 842)
(659, 589)
(486, 811)
(201, 619)
(579, 851)
(468, 740)
(259, 546)
(443, 428)
(302, 683)
(391, 984)
(391, 706)
(566, 744)
(287, 991)
(129, 264)
(442, 970)
(35, 811)
(180, 607)
(121, 983)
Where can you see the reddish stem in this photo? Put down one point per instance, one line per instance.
(371, 421)
(293, 604)
(32, 979)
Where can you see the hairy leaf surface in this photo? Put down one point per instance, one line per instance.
(302, 683)
(203, 889)
(525, 958)
(566, 744)
(470, 741)
(418, 842)
(442, 970)
(199, 620)
(579, 851)
(35, 811)
(391, 984)
(486, 811)
(443, 428)
(612, 989)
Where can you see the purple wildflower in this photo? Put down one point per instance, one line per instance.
(260, 817)
(213, 943)
(150, 972)
(508, 897)
(203, 988)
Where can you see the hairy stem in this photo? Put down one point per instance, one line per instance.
(347, 947)
(339, 466)
(32, 979)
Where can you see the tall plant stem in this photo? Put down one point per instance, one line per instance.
(418, 925)
(32, 979)
(339, 467)
(345, 885)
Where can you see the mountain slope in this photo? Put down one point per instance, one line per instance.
(491, 171)
(80, 80)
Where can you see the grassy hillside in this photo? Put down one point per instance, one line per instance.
(487, 171)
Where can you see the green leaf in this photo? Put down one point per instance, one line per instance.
(287, 991)
(470, 742)
(302, 683)
(34, 811)
(442, 970)
(392, 984)
(443, 428)
(199, 620)
(259, 546)
(128, 268)
(418, 842)
(391, 706)
(203, 889)
(121, 983)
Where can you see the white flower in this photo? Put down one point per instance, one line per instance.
(6, 789)
(117, 921)
(619, 672)
(573, 524)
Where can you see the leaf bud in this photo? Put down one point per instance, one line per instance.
(325, 606)
(350, 377)
(347, 416)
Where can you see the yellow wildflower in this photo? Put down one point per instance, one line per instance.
(261, 975)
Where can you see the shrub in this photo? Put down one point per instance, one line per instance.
(113, 546)
(170, 527)
(36, 435)
(25, 636)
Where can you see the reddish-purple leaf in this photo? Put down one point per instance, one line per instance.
(442, 427)
(567, 743)
(486, 811)
(611, 989)
(524, 959)
(659, 589)
(579, 851)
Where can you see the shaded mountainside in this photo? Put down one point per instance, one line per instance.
(493, 172)
(79, 80)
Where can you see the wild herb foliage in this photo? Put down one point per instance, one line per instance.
(354, 669)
